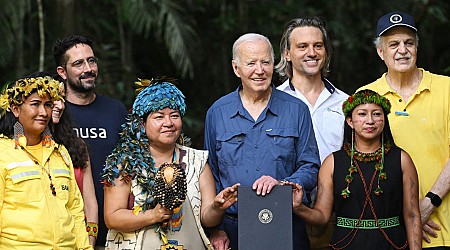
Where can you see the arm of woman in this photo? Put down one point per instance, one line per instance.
(321, 213)
(120, 218)
(411, 214)
(75, 204)
(89, 198)
(213, 206)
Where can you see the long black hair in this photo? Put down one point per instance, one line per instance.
(7, 122)
(63, 133)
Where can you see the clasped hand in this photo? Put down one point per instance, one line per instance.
(297, 193)
(161, 214)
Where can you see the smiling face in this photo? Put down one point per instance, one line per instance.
(57, 111)
(58, 107)
(398, 50)
(34, 114)
(163, 127)
(254, 65)
(367, 121)
(307, 51)
(81, 69)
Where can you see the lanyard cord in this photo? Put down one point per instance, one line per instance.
(33, 158)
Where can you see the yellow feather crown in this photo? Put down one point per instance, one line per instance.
(16, 93)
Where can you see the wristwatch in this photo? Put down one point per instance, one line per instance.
(435, 199)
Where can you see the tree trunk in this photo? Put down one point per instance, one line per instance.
(41, 36)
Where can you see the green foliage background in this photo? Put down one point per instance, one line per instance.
(191, 40)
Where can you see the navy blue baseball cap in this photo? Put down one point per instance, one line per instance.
(395, 19)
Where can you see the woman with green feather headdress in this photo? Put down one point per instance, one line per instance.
(370, 183)
(158, 193)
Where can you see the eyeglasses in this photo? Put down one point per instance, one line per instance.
(81, 63)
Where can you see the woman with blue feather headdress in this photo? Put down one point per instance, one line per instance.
(159, 193)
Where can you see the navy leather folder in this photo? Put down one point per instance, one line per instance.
(265, 222)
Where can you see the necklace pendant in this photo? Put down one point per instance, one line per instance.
(33, 158)
(52, 187)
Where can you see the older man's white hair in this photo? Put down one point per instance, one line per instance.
(250, 37)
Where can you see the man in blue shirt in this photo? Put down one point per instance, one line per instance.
(258, 136)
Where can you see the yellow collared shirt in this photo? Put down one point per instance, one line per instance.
(31, 217)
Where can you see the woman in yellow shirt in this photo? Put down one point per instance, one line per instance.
(40, 204)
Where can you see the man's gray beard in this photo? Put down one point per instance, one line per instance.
(78, 86)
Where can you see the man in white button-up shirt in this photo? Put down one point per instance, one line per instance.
(305, 58)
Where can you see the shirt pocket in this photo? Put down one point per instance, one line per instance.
(282, 145)
(26, 184)
(62, 179)
(229, 148)
(333, 128)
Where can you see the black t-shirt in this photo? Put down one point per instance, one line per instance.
(99, 124)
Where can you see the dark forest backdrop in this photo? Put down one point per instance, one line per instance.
(191, 40)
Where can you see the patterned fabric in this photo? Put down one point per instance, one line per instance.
(368, 224)
(386, 206)
(193, 162)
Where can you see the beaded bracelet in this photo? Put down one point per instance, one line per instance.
(92, 229)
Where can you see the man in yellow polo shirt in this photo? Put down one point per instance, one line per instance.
(420, 120)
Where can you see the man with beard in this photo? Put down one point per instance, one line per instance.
(97, 118)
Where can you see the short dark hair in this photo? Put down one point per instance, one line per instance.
(61, 46)
(284, 68)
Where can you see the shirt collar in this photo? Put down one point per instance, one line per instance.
(384, 88)
(240, 110)
(325, 81)
(329, 86)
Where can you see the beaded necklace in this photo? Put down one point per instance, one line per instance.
(47, 162)
(356, 156)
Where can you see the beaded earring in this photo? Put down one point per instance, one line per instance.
(354, 157)
(380, 167)
(352, 169)
(18, 133)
